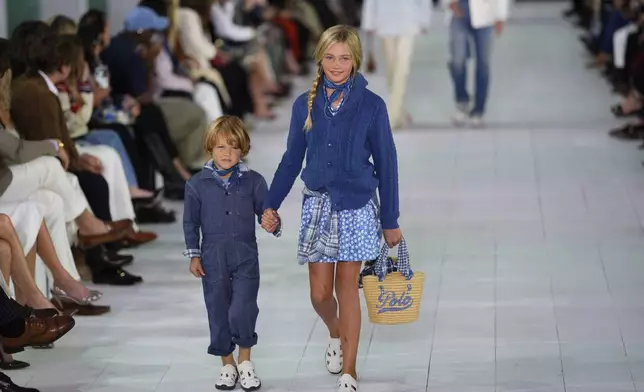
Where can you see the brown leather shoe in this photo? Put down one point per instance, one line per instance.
(122, 225)
(83, 310)
(90, 241)
(39, 332)
(136, 238)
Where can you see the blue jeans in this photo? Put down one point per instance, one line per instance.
(107, 137)
(461, 31)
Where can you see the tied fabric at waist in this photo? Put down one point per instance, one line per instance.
(318, 242)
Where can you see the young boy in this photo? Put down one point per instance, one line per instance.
(223, 201)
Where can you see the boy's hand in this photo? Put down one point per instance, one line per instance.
(195, 267)
(270, 220)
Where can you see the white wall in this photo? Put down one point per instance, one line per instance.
(71, 8)
(117, 10)
(4, 26)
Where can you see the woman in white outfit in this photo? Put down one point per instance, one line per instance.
(397, 23)
(168, 81)
(27, 234)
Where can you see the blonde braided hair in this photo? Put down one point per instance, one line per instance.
(308, 124)
(337, 34)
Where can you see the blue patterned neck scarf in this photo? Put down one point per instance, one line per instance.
(224, 173)
(338, 89)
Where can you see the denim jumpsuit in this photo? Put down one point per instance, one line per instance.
(226, 212)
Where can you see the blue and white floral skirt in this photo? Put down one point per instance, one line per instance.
(358, 232)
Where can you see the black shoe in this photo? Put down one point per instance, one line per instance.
(119, 260)
(174, 190)
(13, 365)
(154, 214)
(569, 13)
(6, 385)
(116, 277)
(99, 257)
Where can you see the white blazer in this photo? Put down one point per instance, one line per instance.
(193, 37)
(396, 18)
(222, 17)
(484, 13)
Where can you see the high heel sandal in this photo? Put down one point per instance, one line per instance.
(59, 294)
(80, 307)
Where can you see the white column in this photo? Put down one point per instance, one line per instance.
(71, 8)
(4, 26)
(117, 10)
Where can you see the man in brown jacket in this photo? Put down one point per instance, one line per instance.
(37, 116)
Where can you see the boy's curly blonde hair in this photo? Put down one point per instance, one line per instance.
(231, 129)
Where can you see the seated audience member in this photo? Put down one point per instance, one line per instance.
(172, 80)
(211, 69)
(35, 57)
(69, 51)
(149, 123)
(104, 160)
(93, 32)
(76, 98)
(28, 234)
(130, 59)
(63, 25)
(215, 66)
(174, 76)
(14, 265)
(242, 42)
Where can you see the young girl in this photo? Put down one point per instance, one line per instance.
(223, 201)
(339, 125)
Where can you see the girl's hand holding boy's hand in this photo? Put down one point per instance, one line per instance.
(270, 220)
(195, 267)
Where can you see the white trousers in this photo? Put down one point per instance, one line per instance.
(26, 218)
(206, 97)
(120, 201)
(59, 199)
(620, 41)
(398, 51)
(46, 173)
(42, 204)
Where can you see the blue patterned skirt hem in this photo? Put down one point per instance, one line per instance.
(359, 232)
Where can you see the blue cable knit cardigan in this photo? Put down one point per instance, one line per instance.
(338, 153)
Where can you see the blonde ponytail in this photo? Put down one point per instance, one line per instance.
(308, 124)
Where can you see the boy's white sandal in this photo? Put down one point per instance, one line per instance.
(227, 379)
(247, 377)
(333, 356)
(347, 383)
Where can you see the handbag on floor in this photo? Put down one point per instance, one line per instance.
(394, 293)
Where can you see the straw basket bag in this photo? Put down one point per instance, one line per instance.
(393, 297)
